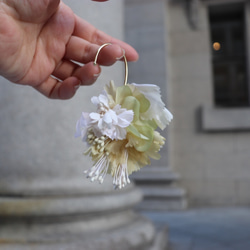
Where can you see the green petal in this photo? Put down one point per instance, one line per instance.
(131, 103)
(121, 93)
(141, 137)
(132, 129)
(144, 102)
(147, 132)
(152, 124)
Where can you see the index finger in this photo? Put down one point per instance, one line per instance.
(88, 32)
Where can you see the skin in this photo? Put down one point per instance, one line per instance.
(40, 39)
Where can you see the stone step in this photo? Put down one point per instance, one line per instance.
(162, 205)
(163, 192)
(160, 190)
(163, 198)
(152, 175)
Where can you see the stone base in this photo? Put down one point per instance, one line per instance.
(103, 221)
(138, 234)
(161, 240)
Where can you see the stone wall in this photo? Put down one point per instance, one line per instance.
(214, 165)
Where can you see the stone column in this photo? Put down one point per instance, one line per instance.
(45, 200)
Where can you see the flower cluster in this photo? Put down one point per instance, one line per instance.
(121, 134)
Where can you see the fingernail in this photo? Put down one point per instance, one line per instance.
(123, 54)
(96, 76)
(77, 85)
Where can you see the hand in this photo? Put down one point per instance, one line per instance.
(41, 41)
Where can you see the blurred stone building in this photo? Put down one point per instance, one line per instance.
(198, 52)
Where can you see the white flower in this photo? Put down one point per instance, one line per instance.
(111, 122)
(113, 150)
(157, 110)
(82, 125)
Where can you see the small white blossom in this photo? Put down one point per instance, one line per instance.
(111, 122)
(82, 126)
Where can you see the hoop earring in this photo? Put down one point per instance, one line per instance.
(121, 134)
(124, 58)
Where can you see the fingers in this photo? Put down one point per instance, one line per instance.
(65, 69)
(65, 89)
(87, 74)
(88, 32)
(54, 89)
(82, 51)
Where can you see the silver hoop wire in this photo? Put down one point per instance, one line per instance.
(124, 57)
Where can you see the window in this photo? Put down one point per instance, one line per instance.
(229, 55)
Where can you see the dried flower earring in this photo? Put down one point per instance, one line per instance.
(121, 134)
